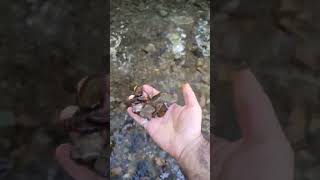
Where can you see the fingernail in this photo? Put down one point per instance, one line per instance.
(186, 85)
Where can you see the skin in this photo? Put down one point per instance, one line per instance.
(62, 152)
(263, 152)
(75, 170)
(178, 132)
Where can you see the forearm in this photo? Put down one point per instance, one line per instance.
(195, 160)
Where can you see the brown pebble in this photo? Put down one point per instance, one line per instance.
(159, 161)
(116, 171)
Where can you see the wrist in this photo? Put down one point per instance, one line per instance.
(194, 160)
(190, 148)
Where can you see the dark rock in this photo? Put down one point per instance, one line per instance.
(5, 167)
(7, 119)
(144, 169)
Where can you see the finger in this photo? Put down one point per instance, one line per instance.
(68, 112)
(190, 98)
(80, 83)
(140, 120)
(75, 170)
(65, 114)
(256, 116)
(149, 91)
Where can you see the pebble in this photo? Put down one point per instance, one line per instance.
(137, 108)
(7, 119)
(200, 62)
(116, 171)
(159, 161)
(126, 176)
(147, 111)
(88, 147)
(150, 48)
(182, 20)
(131, 157)
(163, 154)
(163, 13)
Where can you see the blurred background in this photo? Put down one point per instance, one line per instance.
(280, 42)
(161, 43)
(45, 48)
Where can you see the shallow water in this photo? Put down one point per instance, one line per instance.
(163, 45)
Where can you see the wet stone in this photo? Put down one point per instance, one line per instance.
(163, 13)
(147, 111)
(88, 147)
(136, 108)
(164, 98)
(150, 107)
(116, 171)
(92, 91)
(7, 119)
(150, 48)
(144, 170)
(166, 68)
(182, 20)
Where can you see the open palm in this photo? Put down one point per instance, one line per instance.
(264, 151)
(178, 127)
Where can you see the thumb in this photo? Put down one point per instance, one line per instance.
(190, 99)
(256, 116)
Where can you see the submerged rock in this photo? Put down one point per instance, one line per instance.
(92, 93)
(7, 119)
(203, 37)
(181, 20)
(88, 147)
(177, 40)
(163, 13)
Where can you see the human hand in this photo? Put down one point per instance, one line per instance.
(179, 127)
(263, 152)
(63, 151)
(76, 171)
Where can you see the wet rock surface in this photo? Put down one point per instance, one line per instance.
(162, 44)
(46, 48)
(90, 121)
(277, 40)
